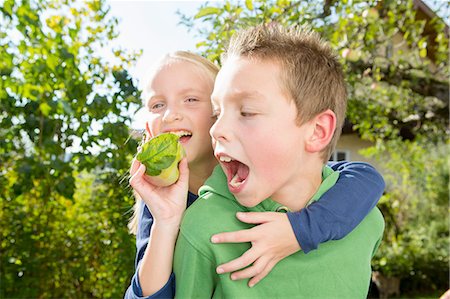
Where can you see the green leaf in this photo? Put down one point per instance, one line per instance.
(249, 4)
(201, 44)
(157, 165)
(160, 153)
(423, 53)
(45, 108)
(7, 7)
(206, 11)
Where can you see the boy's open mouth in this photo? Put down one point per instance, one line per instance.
(237, 172)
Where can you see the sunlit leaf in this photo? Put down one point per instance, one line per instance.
(249, 4)
(206, 11)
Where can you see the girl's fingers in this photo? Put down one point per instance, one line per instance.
(263, 274)
(137, 180)
(255, 217)
(241, 262)
(141, 170)
(240, 236)
(258, 267)
(134, 166)
(147, 129)
(184, 171)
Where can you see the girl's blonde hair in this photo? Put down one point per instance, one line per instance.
(209, 69)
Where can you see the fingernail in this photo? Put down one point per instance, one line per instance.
(214, 239)
(239, 214)
(219, 270)
(233, 277)
(251, 285)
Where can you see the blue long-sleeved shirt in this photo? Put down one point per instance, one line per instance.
(338, 212)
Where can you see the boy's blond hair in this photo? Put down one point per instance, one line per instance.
(310, 71)
(209, 69)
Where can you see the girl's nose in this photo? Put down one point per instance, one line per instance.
(172, 115)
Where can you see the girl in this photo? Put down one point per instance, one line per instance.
(178, 99)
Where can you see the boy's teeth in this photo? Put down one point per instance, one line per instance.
(234, 181)
(225, 159)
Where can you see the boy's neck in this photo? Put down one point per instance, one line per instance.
(199, 172)
(301, 189)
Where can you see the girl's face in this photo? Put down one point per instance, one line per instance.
(179, 101)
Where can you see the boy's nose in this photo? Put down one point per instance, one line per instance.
(219, 130)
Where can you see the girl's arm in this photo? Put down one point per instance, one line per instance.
(167, 205)
(342, 208)
(279, 235)
(134, 291)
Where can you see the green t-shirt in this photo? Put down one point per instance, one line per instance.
(337, 269)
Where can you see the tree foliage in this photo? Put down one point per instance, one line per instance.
(415, 208)
(64, 151)
(384, 47)
(65, 147)
(395, 58)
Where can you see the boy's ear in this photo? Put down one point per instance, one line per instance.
(323, 126)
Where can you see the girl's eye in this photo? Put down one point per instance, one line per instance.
(191, 100)
(156, 106)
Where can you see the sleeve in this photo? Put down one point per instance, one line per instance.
(341, 208)
(195, 272)
(134, 291)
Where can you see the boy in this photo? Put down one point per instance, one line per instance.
(280, 99)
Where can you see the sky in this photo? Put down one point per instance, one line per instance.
(153, 27)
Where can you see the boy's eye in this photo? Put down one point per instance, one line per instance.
(247, 114)
(191, 100)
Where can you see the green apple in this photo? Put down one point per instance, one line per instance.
(161, 155)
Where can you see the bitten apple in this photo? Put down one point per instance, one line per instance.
(161, 155)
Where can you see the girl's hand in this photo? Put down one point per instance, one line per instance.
(272, 240)
(166, 204)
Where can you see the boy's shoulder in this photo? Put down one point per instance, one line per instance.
(375, 220)
(376, 217)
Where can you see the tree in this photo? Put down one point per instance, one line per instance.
(377, 69)
(395, 59)
(65, 150)
(415, 208)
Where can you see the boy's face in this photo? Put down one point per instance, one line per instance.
(179, 102)
(256, 128)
